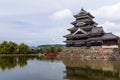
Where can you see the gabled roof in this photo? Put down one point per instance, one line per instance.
(79, 30)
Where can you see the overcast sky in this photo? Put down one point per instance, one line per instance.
(37, 22)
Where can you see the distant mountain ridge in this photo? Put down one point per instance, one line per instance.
(51, 45)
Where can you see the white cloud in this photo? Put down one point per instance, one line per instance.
(63, 14)
(109, 16)
(111, 27)
(110, 12)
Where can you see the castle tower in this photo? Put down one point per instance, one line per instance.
(86, 33)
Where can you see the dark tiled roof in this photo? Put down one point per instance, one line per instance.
(84, 16)
(106, 36)
(97, 30)
(71, 41)
(109, 36)
(94, 39)
(76, 36)
(82, 20)
(84, 28)
(83, 13)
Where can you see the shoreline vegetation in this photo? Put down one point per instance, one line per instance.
(9, 48)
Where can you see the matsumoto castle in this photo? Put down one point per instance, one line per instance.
(86, 33)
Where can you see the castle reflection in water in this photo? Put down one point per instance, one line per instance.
(77, 69)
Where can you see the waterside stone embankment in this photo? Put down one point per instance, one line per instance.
(91, 53)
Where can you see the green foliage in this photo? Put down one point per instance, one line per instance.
(59, 49)
(8, 47)
(23, 48)
(3, 47)
(47, 49)
(50, 49)
(13, 48)
(40, 50)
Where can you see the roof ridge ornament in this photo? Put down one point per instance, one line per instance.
(82, 10)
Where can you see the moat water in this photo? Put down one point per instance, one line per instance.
(40, 68)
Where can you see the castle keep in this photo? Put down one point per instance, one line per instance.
(86, 33)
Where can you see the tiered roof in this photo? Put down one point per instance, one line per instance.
(93, 31)
(85, 29)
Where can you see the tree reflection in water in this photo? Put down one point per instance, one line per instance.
(77, 69)
(12, 62)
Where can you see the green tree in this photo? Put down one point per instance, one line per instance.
(1, 48)
(8, 47)
(23, 48)
(46, 50)
(52, 49)
(4, 47)
(41, 50)
(59, 49)
(12, 47)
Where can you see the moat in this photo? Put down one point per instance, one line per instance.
(40, 68)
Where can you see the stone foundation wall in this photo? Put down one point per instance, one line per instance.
(91, 53)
